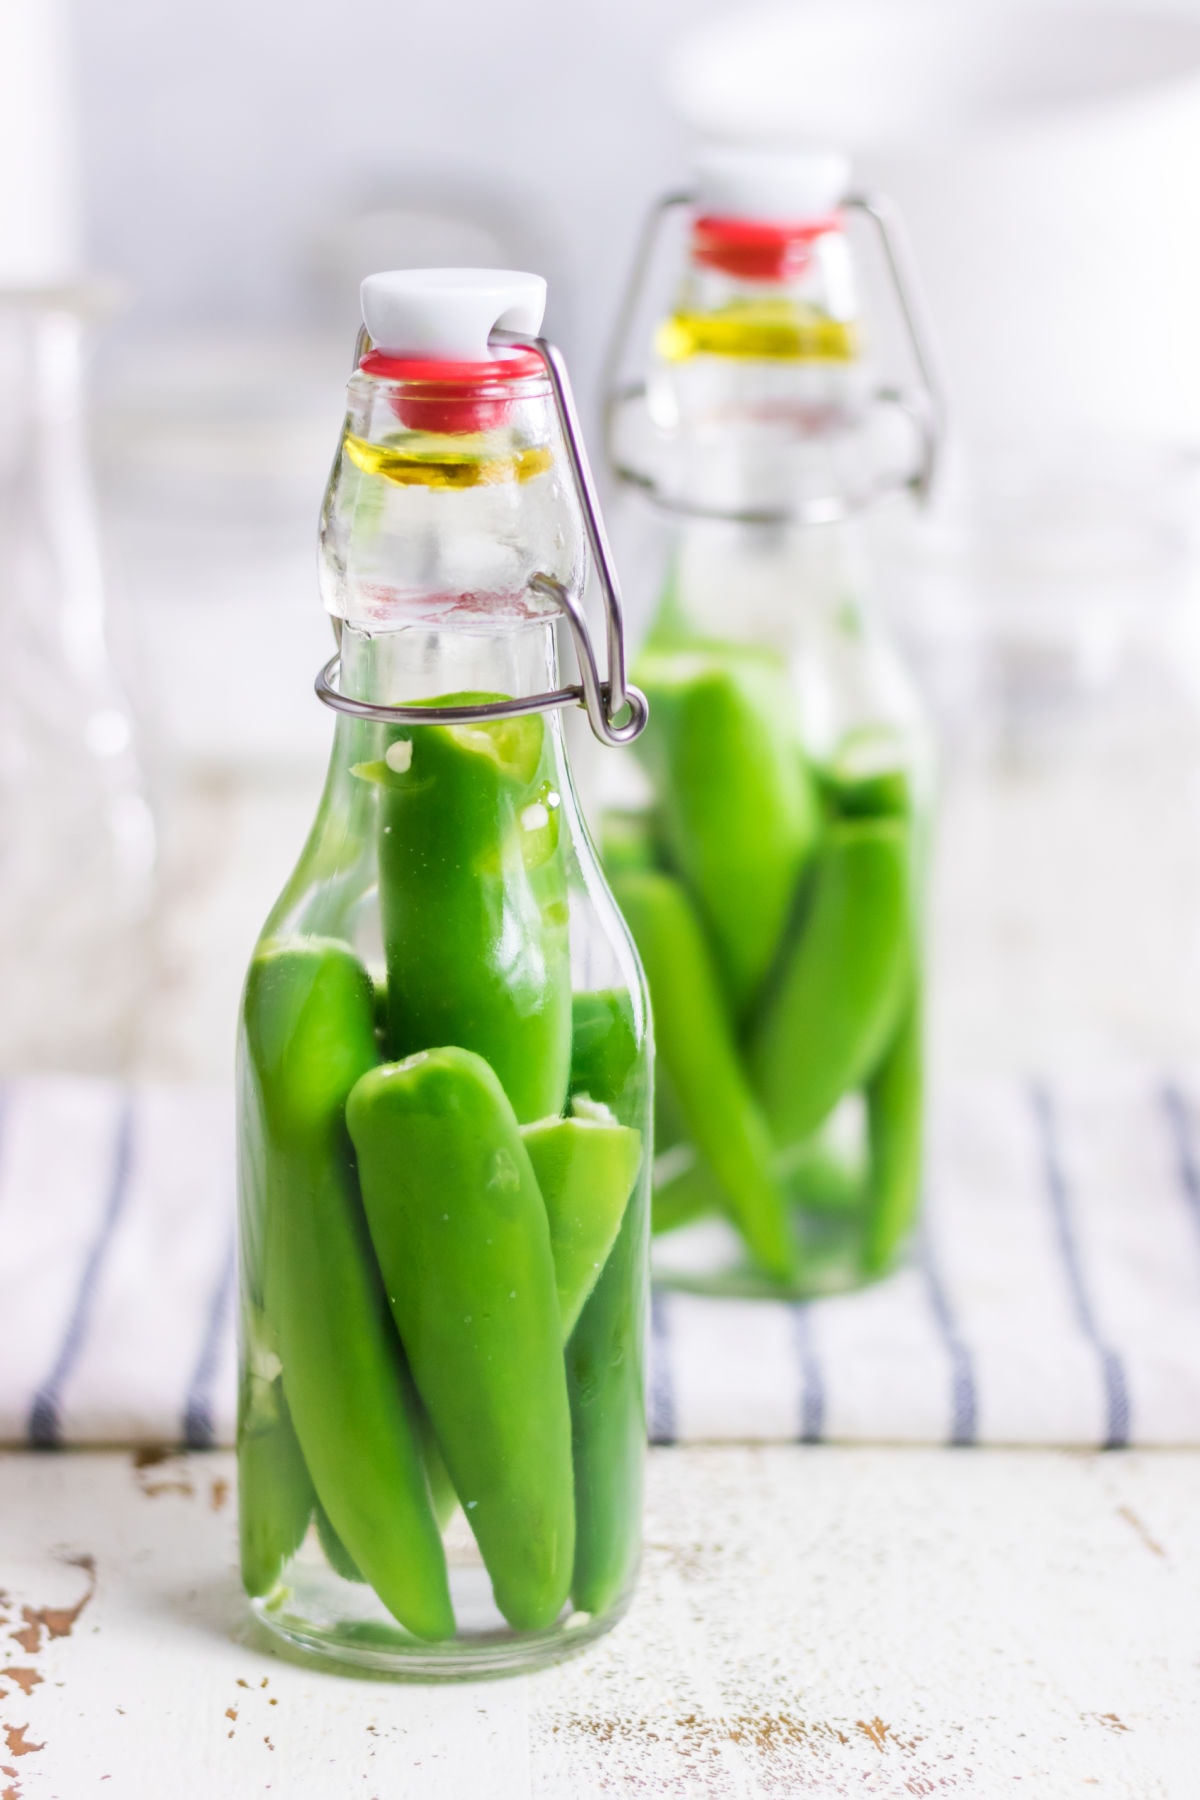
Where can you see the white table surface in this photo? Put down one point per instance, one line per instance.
(829, 1622)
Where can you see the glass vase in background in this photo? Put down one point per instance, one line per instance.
(77, 855)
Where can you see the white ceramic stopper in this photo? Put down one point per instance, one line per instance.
(449, 314)
(770, 186)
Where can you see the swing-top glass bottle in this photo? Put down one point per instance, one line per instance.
(769, 857)
(445, 1052)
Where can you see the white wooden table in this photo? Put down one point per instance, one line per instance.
(827, 1622)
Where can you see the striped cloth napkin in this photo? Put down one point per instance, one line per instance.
(1053, 1296)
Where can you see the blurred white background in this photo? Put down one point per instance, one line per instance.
(223, 144)
(223, 147)
(241, 165)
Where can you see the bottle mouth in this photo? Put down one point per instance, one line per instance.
(453, 398)
(759, 249)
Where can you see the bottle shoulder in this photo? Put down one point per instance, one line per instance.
(457, 833)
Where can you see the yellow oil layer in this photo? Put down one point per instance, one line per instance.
(419, 460)
(769, 330)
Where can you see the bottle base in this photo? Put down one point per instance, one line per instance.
(707, 1257)
(372, 1643)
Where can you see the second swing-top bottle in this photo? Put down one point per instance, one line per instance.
(771, 866)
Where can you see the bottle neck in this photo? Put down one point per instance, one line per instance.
(446, 528)
(798, 305)
(757, 385)
(802, 595)
(425, 662)
(769, 585)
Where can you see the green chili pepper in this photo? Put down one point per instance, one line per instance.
(740, 814)
(441, 1488)
(606, 1377)
(441, 1494)
(309, 1036)
(473, 901)
(379, 991)
(894, 1114)
(585, 1168)
(818, 1176)
(885, 795)
(628, 842)
(685, 1189)
(670, 1124)
(605, 1063)
(697, 1050)
(868, 776)
(822, 1178)
(462, 1237)
(336, 1553)
(606, 1350)
(842, 986)
(275, 1495)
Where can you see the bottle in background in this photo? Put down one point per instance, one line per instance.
(771, 859)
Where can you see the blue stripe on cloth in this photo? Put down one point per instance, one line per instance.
(198, 1430)
(1175, 1107)
(660, 1401)
(964, 1400)
(1112, 1369)
(45, 1422)
(812, 1381)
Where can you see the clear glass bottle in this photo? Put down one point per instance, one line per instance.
(771, 865)
(445, 1060)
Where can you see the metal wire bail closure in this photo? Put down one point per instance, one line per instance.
(605, 700)
(924, 407)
